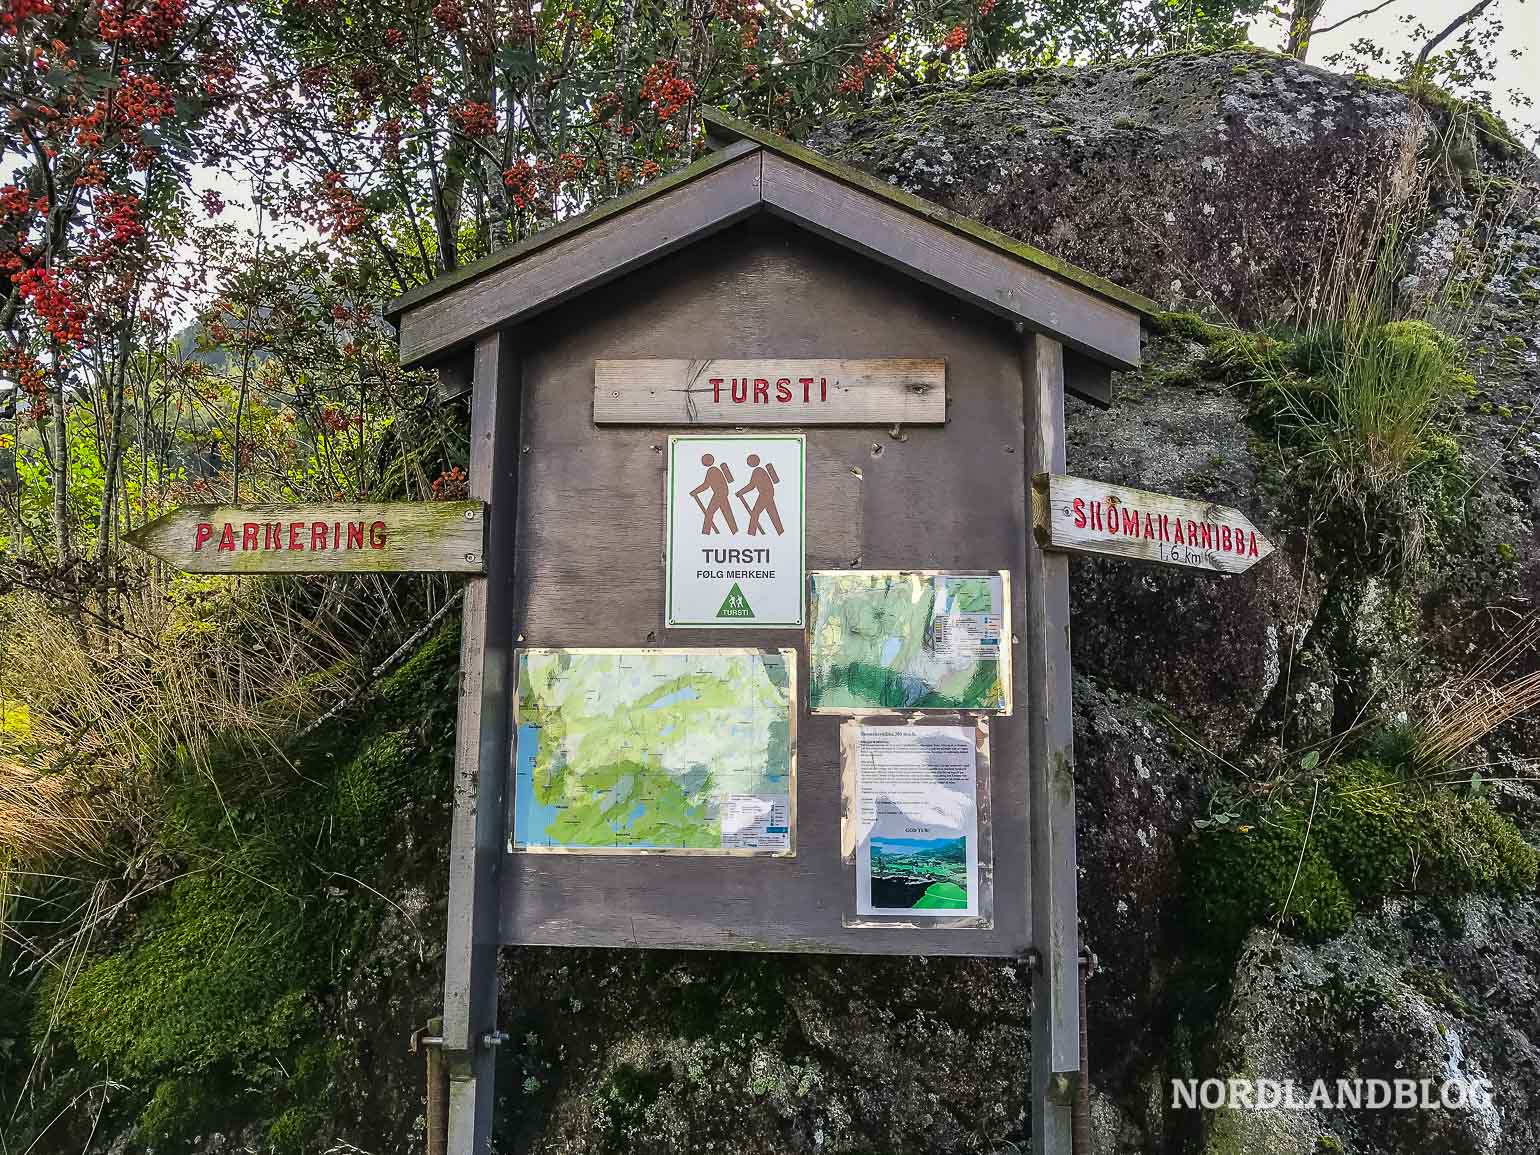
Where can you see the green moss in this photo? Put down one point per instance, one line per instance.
(175, 1109)
(1513, 342)
(206, 982)
(1315, 852)
(1143, 77)
(1124, 122)
(370, 785)
(1436, 987)
(1188, 325)
(292, 1131)
(992, 78)
(1240, 70)
(1240, 355)
(218, 980)
(1247, 875)
(1487, 124)
(1179, 377)
(1328, 1145)
(1059, 130)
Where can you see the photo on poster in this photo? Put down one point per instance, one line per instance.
(919, 874)
(912, 821)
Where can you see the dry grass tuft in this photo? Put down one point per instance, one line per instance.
(1478, 704)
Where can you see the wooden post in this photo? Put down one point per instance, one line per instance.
(482, 757)
(1050, 770)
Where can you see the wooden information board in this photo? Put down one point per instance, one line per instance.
(945, 497)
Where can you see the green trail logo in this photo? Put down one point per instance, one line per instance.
(736, 605)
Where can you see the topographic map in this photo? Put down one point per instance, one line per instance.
(884, 641)
(683, 750)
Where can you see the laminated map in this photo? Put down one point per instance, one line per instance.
(688, 751)
(908, 640)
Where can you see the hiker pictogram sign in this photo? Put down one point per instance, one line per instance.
(735, 542)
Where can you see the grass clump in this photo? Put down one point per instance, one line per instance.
(1363, 398)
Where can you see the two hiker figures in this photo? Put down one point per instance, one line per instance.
(718, 482)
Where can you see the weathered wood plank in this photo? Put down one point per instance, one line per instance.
(773, 391)
(1087, 379)
(1051, 775)
(591, 519)
(396, 537)
(952, 262)
(1086, 516)
(482, 748)
(580, 262)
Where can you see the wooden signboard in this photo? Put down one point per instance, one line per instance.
(422, 537)
(791, 391)
(1084, 516)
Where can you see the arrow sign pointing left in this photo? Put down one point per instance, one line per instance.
(399, 537)
(1084, 516)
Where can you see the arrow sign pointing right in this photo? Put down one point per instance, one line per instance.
(1084, 516)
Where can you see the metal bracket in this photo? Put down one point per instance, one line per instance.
(420, 1039)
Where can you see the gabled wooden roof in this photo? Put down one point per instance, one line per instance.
(755, 172)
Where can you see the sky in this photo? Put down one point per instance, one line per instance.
(1521, 32)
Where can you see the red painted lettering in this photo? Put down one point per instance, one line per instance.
(1207, 535)
(355, 535)
(1149, 528)
(823, 388)
(227, 538)
(1165, 527)
(1130, 521)
(336, 535)
(740, 389)
(202, 534)
(807, 388)
(318, 535)
(716, 390)
(761, 391)
(272, 535)
(1096, 515)
(249, 535)
(377, 535)
(783, 390)
(1192, 533)
(294, 541)
(1079, 508)
(1224, 538)
(1180, 540)
(1254, 543)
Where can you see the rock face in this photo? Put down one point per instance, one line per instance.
(1216, 179)
(1401, 995)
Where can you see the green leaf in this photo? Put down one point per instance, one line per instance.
(1311, 760)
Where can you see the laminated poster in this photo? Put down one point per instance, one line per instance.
(883, 641)
(916, 821)
(656, 751)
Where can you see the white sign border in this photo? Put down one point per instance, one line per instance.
(668, 546)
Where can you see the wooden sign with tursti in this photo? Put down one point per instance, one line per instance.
(1079, 515)
(397, 537)
(770, 391)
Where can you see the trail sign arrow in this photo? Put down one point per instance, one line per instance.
(1084, 516)
(400, 537)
